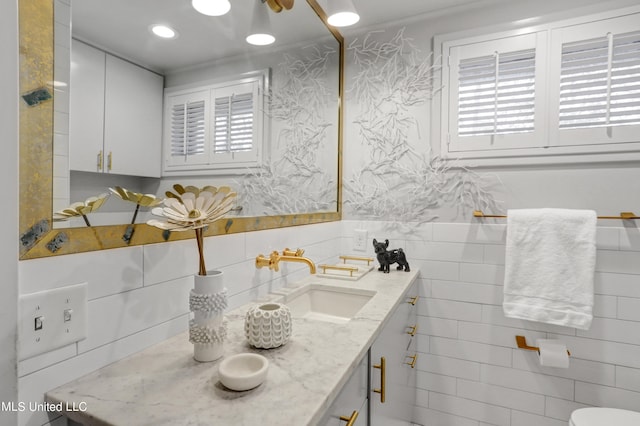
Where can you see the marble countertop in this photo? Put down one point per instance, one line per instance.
(164, 385)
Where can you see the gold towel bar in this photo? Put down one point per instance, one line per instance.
(623, 215)
(522, 344)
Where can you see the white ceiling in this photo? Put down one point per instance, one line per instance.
(121, 26)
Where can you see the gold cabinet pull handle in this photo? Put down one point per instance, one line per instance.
(362, 259)
(414, 358)
(413, 330)
(413, 300)
(100, 161)
(383, 380)
(109, 161)
(350, 420)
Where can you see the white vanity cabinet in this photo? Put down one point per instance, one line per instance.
(352, 401)
(115, 122)
(393, 360)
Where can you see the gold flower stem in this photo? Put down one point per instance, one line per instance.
(86, 220)
(135, 214)
(200, 241)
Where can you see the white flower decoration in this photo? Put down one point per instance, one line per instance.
(194, 208)
(145, 200)
(80, 208)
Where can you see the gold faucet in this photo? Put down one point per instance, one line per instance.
(288, 256)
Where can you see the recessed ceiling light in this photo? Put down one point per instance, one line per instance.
(211, 7)
(260, 39)
(164, 31)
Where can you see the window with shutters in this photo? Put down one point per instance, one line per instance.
(568, 89)
(217, 128)
(598, 80)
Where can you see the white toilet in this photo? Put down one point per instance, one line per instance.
(599, 416)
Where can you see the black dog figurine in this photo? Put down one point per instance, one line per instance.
(386, 258)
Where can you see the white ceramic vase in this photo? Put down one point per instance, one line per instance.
(268, 325)
(207, 329)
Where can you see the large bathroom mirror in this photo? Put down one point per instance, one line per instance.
(298, 178)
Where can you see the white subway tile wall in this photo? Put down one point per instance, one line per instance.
(470, 371)
(61, 75)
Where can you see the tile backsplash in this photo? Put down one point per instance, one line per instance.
(469, 369)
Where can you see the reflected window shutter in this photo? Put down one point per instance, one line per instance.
(233, 127)
(188, 128)
(600, 82)
(496, 94)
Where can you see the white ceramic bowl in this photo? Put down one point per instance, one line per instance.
(242, 372)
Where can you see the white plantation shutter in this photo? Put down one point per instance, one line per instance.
(497, 94)
(234, 122)
(600, 82)
(596, 74)
(187, 128)
(495, 89)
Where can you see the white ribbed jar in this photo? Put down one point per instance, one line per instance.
(268, 326)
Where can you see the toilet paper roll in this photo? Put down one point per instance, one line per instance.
(553, 353)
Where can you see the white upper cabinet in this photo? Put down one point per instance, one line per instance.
(115, 115)
(86, 107)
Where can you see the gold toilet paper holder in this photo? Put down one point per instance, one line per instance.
(522, 344)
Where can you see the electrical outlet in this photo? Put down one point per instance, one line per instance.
(360, 240)
(52, 319)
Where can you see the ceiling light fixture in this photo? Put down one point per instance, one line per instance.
(342, 13)
(164, 31)
(260, 33)
(211, 7)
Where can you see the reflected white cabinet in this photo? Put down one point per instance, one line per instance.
(351, 403)
(393, 361)
(115, 123)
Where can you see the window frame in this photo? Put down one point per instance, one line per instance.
(210, 163)
(547, 150)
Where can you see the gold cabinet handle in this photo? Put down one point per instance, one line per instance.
(383, 372)
(100, 161)
(413, 300)
(109, 161)
(362, 259)
(413, 330)
(350, 420)
(414, 358)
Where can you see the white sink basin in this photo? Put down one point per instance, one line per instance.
(325, 303)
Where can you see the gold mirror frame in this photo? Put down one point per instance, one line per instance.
(37, 236)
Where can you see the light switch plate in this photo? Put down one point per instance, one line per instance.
(360, 239)
(60, 314)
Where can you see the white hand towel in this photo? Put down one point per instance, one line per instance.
(549, 266)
